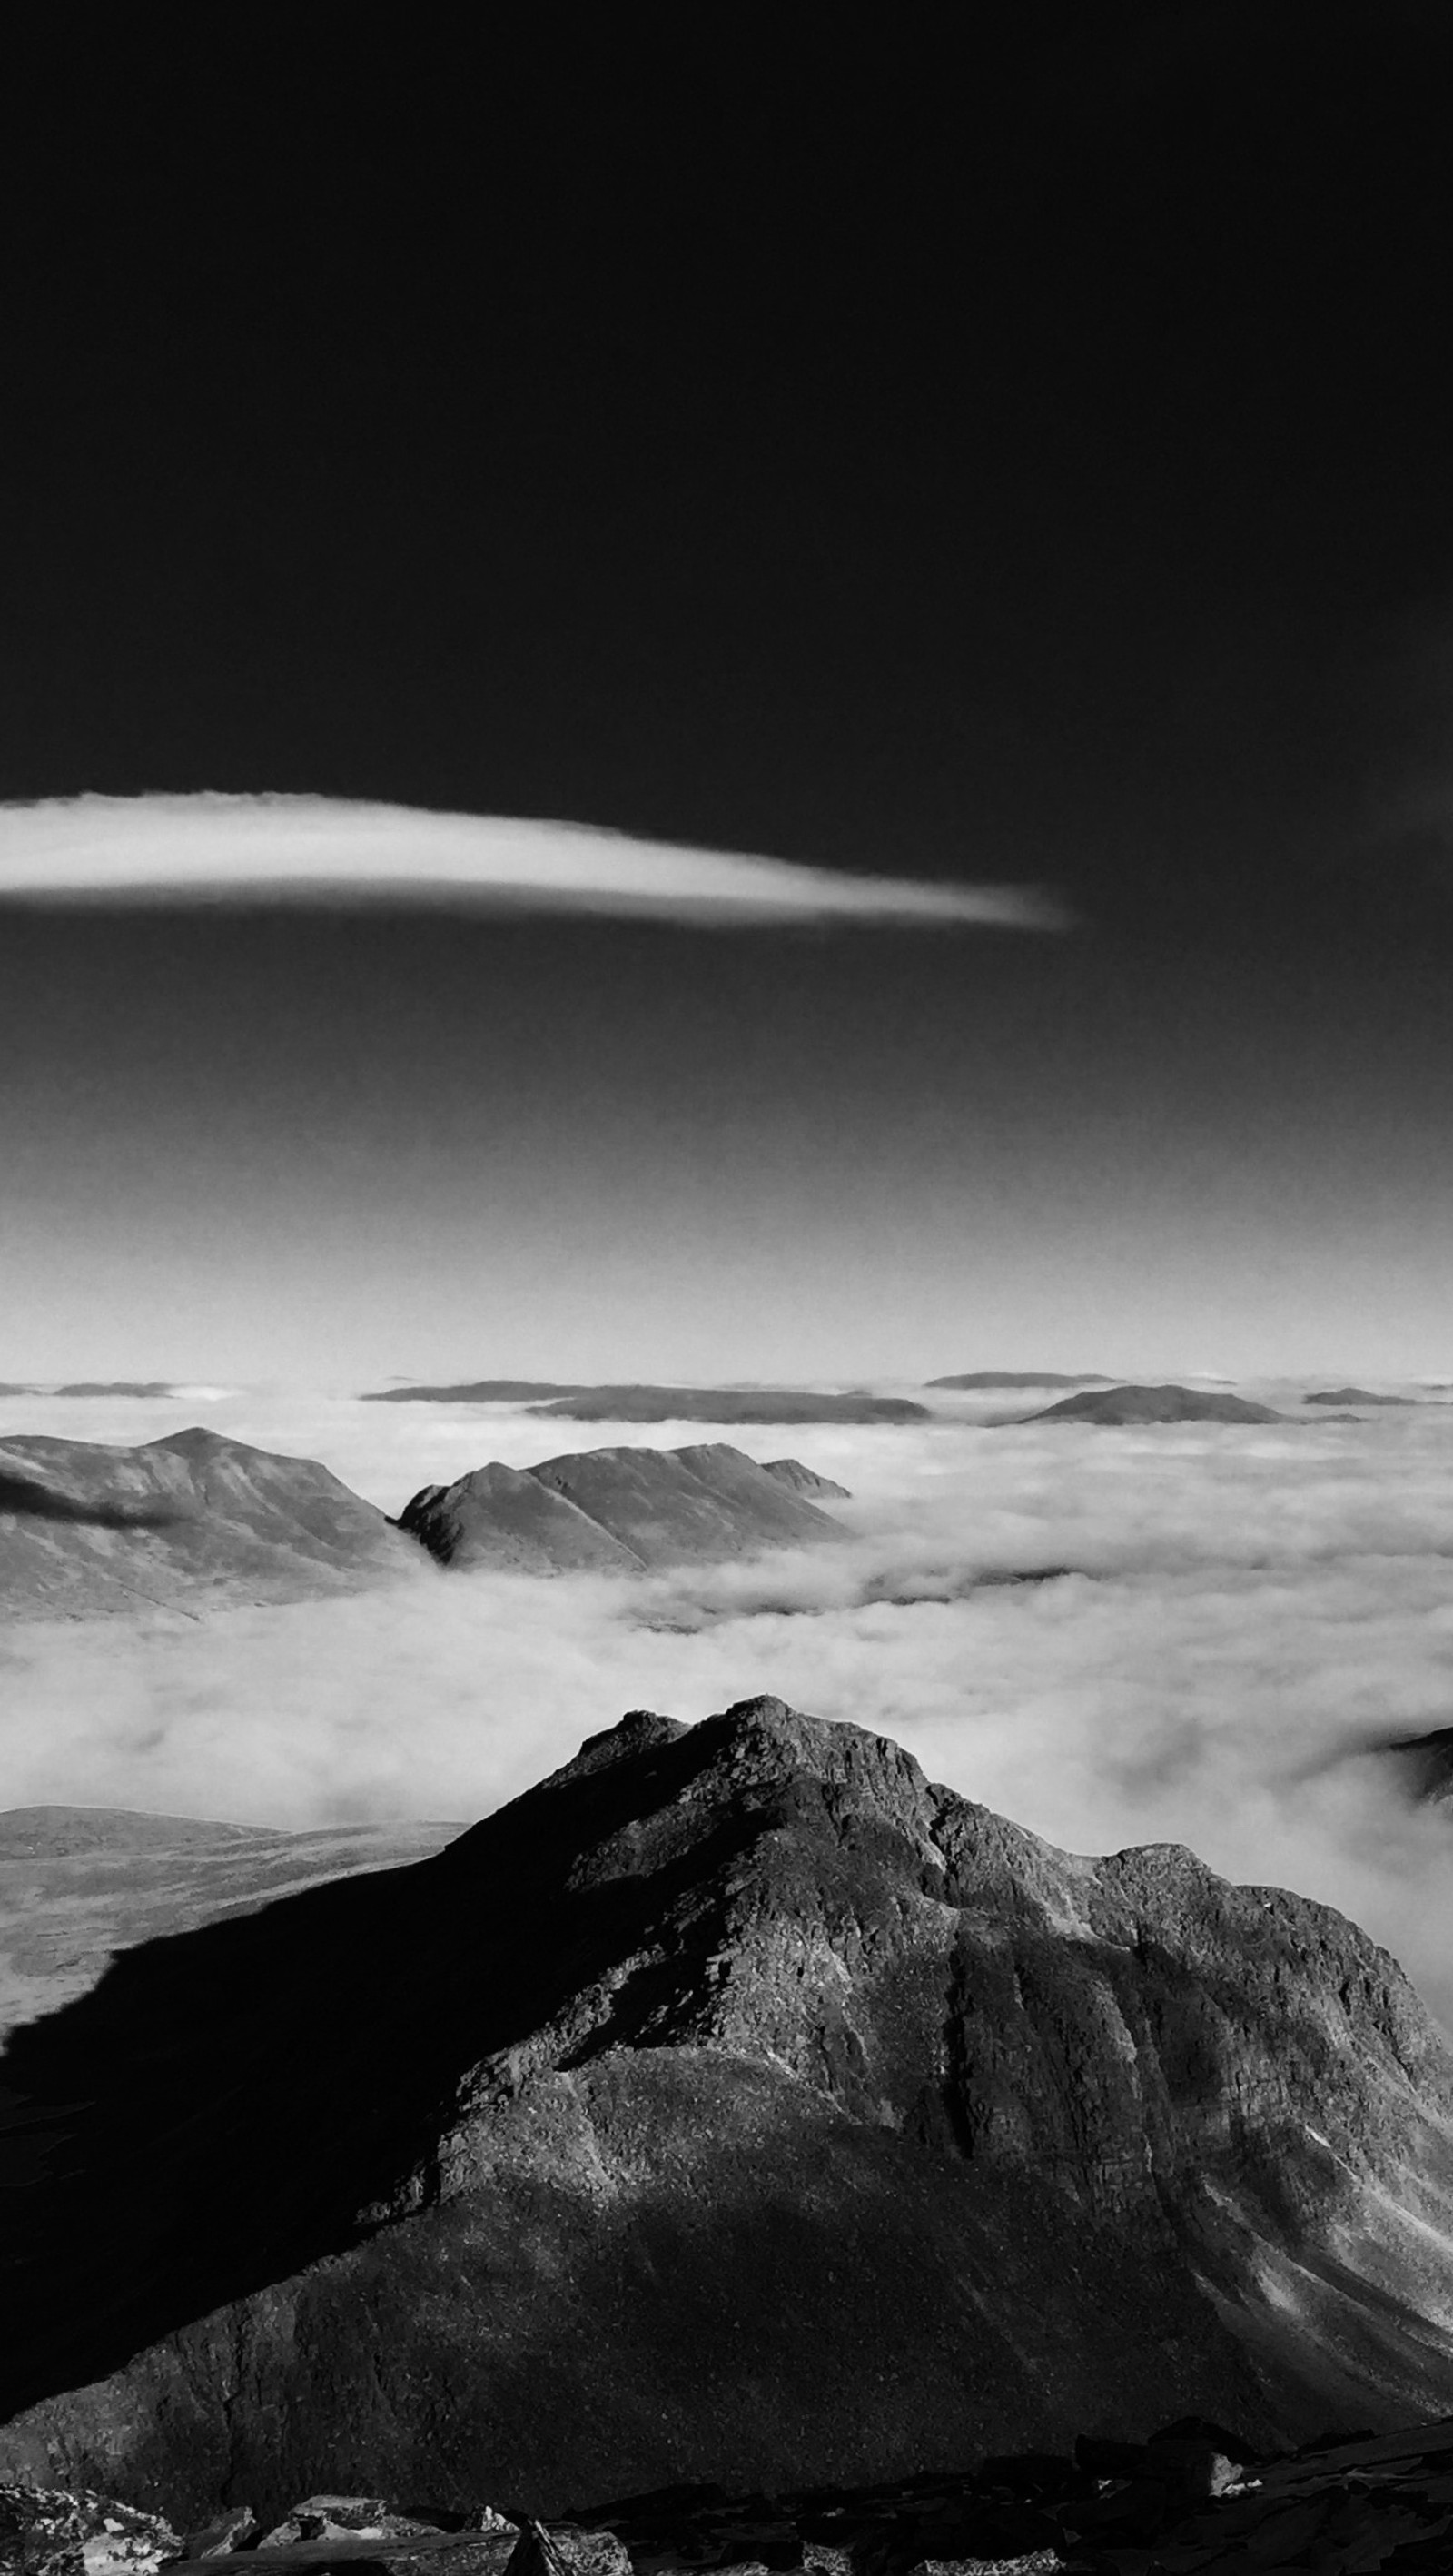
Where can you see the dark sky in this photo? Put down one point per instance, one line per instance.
(1028, 460)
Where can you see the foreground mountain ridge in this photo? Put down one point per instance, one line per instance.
(736, 2105)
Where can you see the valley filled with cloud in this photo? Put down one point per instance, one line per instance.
(1195, 1633)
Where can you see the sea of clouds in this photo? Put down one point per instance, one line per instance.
(1245, 1612)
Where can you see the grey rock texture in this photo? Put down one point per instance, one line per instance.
(734, 2106)
(193, 1520)
(623, 1510)
(1126, 1404)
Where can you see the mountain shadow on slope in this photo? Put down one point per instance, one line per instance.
(620, 1510)
(86, 1528)
(1131, 1404)
(734, 2106)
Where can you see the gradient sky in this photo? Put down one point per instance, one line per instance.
(750, 436)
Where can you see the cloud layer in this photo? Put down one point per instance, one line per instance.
(1245, 1615)
(186, 848)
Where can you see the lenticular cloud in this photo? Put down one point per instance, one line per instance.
(270, 848)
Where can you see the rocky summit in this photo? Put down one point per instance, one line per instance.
(194, 1520)
(734, 2107)
(621, 1510)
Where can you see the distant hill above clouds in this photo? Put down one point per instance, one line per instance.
(619, 1510)
(1355, 1395)
(190, 1520)
(665, 1403)
(987, 1378)
(735, 2105)
(483, 1390)
(1130, 1404)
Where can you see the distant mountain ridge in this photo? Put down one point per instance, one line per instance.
(666, 1403)
(620, 1510)
(1355, 1395)
(1023, 1377)
(188, 1519)
(736, 2105)
(1132, 1404)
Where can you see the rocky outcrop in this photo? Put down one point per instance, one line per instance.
(1127, 1404)
(1193, 2497)
(619, 1510)
(735, 2106)
(194, 1520)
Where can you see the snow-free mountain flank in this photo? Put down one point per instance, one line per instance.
(620, 1510)
(194, 1518)
(735, 2106)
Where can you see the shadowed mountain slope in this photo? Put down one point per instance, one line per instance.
(735, 2105)
(620, 1509)
(1426, 1762)
(78, 1884)
(1117, 1404)
(194, 1520)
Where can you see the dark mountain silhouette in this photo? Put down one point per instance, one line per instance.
(1023, 1377)
(78, 1884)
(1355, 1395)
(727, 1404)
(194, 1519)
(734, 2106)
(664, 1403)
(622, 1509)
(1154, 1404)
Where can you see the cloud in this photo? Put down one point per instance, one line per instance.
(1248, 1613)
(210, 847)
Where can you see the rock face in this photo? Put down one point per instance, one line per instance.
(191, 1519)
(80, 1883)
(623, 1510)
(735, 2105)
(1124, 1404)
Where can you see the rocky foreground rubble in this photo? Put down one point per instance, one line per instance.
(1189, 2502)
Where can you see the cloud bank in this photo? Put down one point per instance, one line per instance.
(255, 848)
(1246, 1613)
